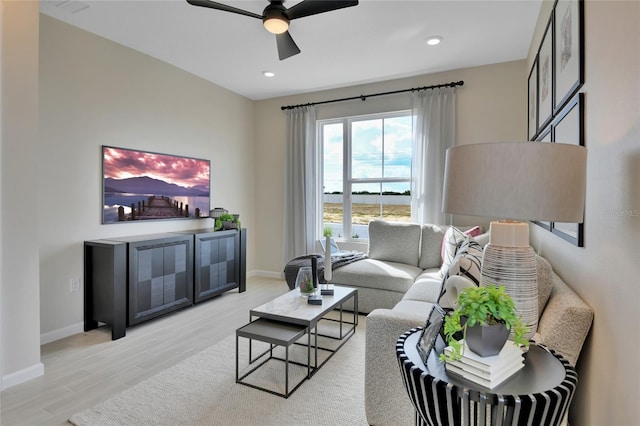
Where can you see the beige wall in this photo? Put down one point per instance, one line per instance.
(94, 92)
(491, 106)
(605, 272)
(20, 332)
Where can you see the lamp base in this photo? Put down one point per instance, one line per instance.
(513, 267)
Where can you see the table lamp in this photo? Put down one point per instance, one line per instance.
(516, 181)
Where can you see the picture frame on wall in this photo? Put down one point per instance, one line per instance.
(568, 127)
(544, 137)
(545, 77)
(568, 72)
(532, 126)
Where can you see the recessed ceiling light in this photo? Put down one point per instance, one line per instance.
(268, 73)
(433, 40)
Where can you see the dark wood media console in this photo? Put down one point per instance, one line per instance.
(129, 280)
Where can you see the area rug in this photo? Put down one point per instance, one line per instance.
(201, 390)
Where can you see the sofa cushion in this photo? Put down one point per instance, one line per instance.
(394, 242)
(373, 273)
(415, 307)
(430, 246)
(426, 287)
(545, 282)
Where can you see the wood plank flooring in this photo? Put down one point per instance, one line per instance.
(87, 368)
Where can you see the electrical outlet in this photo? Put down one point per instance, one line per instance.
(74, 284)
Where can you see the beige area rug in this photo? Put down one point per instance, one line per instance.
(201, 390)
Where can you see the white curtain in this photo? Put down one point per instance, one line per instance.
(300, 189)
(434, 127)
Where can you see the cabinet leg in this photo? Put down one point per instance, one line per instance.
(118, 330)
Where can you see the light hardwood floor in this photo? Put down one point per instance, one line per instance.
(87, 368)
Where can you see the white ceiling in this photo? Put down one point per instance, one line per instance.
(374, 41)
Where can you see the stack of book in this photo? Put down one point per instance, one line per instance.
(487, 371)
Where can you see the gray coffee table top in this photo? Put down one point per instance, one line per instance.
(291, 307)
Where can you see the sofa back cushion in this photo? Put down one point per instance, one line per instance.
(430, 247)
(394, 241)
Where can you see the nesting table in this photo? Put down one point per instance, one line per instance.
(285, 320)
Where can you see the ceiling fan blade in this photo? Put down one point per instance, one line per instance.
(313, 7)
(223, 7)
(286, 46)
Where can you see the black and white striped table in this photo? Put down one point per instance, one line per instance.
(539, 394)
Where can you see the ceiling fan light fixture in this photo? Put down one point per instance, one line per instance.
(276, 25)
(274, 19)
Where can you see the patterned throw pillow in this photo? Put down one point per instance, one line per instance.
(468, 261)
(452, 239)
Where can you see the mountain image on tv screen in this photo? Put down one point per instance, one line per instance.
(140, 185)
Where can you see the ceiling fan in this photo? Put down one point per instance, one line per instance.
(276, 17)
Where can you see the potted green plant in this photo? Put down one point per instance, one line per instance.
(225, 221)
(327, 231)
(487, 311)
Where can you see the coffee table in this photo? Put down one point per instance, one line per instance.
(292, 309)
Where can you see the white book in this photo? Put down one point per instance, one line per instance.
(507, 355)
(488, 373)
(488, 383)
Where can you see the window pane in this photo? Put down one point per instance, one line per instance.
(397, 147)
(366, 149)
(388, 201)
(365, 207)
(396, 202)
(332, 145)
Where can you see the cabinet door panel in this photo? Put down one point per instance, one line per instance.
(216, 265)
(160, 278)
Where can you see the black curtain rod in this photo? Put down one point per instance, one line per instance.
(364, 97)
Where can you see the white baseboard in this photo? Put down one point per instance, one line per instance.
(21, 376)
(61, 333)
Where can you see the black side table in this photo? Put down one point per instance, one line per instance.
(539, 394)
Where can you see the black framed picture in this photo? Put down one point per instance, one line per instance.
(532, 126)
(430, 332)
(544, 137)
(545, 77)
(568, 127)
(568, 72)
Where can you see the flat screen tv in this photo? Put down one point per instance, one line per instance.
(140, 185)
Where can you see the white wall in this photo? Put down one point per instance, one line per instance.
(605, 272)
(20, 325)
(94, 92)
(491, 106)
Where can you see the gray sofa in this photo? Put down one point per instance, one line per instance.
(397, 285)
(403, 258)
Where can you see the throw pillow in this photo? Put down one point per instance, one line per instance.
(394, 242)
(452, 239)
(468, 261)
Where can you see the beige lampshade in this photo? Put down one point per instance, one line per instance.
(516, 180)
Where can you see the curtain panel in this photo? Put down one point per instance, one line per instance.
(300, 191)
(434, 128)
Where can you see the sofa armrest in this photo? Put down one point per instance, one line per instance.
(565, 321)
(386, 400)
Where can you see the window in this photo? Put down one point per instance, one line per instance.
(366, 172)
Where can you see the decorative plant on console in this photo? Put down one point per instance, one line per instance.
(226, 221)
(482, 312)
